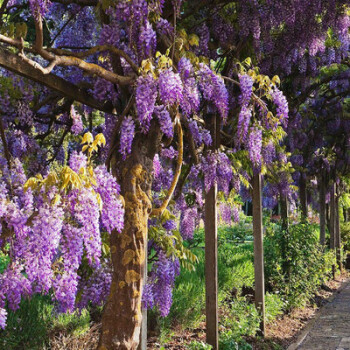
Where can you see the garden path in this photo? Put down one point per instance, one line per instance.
(330, 330)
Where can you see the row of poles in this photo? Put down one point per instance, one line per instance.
(211, 266)
(211, 243)
(211, 274)
(211, 251)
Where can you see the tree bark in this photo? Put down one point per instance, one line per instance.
(303, 198)
(322, 194)
(17, 65)
(122, 316)
(258, 251)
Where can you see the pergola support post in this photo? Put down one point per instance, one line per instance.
(211, 251)
(258, 251)
(332, 228)
(322, 196)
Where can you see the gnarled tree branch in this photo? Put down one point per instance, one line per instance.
(95, 49)
(19, 66)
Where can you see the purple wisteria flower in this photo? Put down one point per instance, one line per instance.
(127, 133)
(213, 89)
(254, 145)
(282, 106)
(165, 121)
(3, 317)
(146, 95)
(188, 222)
(77, 161)
(77, 126)
(244, 118)
(170, 87)
(148, 40)
(246, 85)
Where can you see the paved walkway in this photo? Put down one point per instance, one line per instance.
(330, 330)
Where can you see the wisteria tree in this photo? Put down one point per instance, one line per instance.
(107, 137)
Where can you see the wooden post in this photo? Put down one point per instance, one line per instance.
(337, 232)
(322, 210)
(328, 219)
(345, 214)
(211, 253)
(211, 271)
(332, 222)
(285, 226)
(284, 212)
(258, 251)
(303, 198)
(143, 333)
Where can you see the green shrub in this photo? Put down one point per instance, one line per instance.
(235, 270)
(345, 235)
(241, 318)
(241, 232)
(188, 296)
(235, 266)
(198, 345)
(75, 323)
(27, 327)
(295, 264)
(274, 306)
(227, 341)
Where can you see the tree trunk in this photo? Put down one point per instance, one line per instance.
(122, 316)
(258, 251)
(303, 198)
(322, 189)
